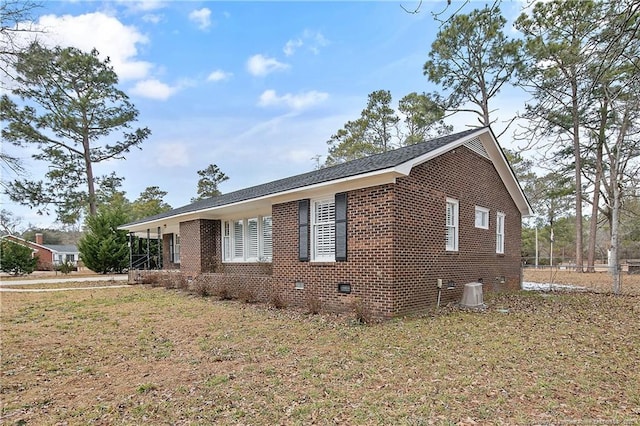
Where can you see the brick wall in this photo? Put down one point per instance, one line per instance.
(166, 253)
(200, 246)
(369, 268)
(396, 243)
(420, 256)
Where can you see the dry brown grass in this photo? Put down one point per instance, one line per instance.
(146, 355)
(598, 281)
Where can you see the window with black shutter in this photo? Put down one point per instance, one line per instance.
(303, 230)
(341, 227)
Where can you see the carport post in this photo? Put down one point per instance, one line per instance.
(159, 264)
(148, 249)
(130, 250)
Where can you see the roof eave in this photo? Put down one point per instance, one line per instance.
(348, 183)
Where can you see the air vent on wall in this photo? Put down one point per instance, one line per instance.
(476, 146)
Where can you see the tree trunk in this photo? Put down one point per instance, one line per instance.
(615, 261)
(617, 174)
(593, 226)
(89, 171)
(578, 167)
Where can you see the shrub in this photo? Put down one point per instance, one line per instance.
(362, 312)
(16, 259)
(201, 286)
(247, 294)
(277, 299)
(65, 268)
(181, 282)
(313, 303)
(175, 281)
(153, 279)
(223, 290)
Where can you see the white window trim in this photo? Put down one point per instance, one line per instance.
(454, 225)
(315, 257)
(485, 213)
(500, 222)
(229, 241)
(176, 248)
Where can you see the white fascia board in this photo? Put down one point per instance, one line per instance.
(377, 177)
(497, 158)
(405, 168)
(506, 173)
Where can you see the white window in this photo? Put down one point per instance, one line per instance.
(238, 240)
(482, 217)
(323, 225)
(176, 249)
(266, 249)
(452, 224)
(500, 233)
(226, 240)
(247, 240)
(252, 239)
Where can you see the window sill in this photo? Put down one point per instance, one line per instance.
(322, 263)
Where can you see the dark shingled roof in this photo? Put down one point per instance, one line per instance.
(61, 248)
(352, 168)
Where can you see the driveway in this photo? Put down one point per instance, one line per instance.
(58, 280)
(61, 280)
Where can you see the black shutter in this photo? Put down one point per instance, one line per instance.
(303, 230)
(341, 227)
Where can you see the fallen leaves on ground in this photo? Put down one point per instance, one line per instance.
(148, 355)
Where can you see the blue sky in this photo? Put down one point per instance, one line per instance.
(254, 87)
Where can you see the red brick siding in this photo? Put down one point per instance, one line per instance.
(166, 253)
(368, 269)
(420, 256)
(396, 243)
(199, 246)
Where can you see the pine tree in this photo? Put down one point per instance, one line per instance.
(104, 248)
(16, 259)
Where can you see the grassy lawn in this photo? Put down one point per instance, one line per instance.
(148, 355)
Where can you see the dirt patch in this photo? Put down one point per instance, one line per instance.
(148, 355)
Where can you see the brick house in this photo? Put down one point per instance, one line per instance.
(49, 255)
(382, 229)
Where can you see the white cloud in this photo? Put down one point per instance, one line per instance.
(297, 102)
(152, 18)
(202, 17)
(172, 155)
(260, 65)
(316, 40)
(219, 75)
(291, 46)
(105, 33)
(313, 40)
(143, 5)
(154, 89)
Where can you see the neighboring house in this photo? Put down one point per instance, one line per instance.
(382, 229)
(49, 255)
